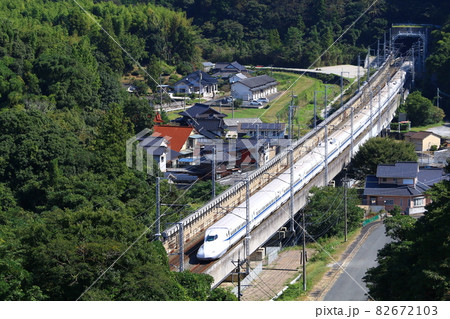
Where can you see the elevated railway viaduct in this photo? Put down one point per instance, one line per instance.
(365, 104)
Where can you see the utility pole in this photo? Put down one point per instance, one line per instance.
(200, 86)
(232, 109)
(326, 102)
(315, 110)
(239, 279)
(257, 144)
(390, 40)
(158, 209)
(368, 65)
(342, 85)
(371, 119)
(247, 226)
(213, 172)
(437, 101)
(291, 107)
(379, 110)
(413, 67)
(181, 247)
(359, 64)
(291, 152)
(378, 53)
(346, 203)
(238, 272)
(384, 47)
(326, 155)
(304, 251)
(351, 131)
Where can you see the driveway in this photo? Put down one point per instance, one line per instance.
(443, 131)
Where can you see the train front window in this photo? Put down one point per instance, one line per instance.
(211, 237)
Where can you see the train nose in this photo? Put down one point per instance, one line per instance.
(207, 253)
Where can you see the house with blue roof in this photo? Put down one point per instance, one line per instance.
(199, 83)
(401, 184)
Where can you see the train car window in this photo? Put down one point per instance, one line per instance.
(211, 237)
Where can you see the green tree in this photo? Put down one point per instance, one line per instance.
(326, 211)
(399, 226)
(379, 150)
(421, 110)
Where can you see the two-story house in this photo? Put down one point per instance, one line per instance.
(204, 119)
(198, 82)
(401, 184)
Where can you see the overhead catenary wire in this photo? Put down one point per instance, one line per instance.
(117, 43)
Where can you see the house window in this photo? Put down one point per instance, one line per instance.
(384, 179)
(408, 181)
(418, 201)
(389, 202)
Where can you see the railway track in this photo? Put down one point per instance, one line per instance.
(197, 223)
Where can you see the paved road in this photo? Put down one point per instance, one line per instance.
(345, 288)
(443, 130)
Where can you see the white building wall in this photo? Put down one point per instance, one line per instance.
(240, 91)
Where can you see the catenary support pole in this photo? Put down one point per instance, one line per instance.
(291, 191)
(247, 225)
(213, 172)
(158, 209)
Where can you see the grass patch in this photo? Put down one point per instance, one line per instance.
(317, 265)
(424, 128)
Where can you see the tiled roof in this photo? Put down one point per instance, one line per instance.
(194, 78)
(398, 170)
(236, 121)
(155, 145)
(198, 109)
(263, 126)
(258, 81)
(227, 66)
(372, 188)
(426, 178)
(176, 135)
(430, 176)
(419, 135)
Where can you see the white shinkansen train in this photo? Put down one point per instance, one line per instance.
(232, 227)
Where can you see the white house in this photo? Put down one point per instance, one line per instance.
(254, 88)
(197, 82)
(156, 148)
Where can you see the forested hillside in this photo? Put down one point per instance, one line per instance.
(69, 205)
(296, 32)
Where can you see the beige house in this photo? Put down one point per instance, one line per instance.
(423, 140)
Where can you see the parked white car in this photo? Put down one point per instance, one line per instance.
(263, 100)
(255, 103)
